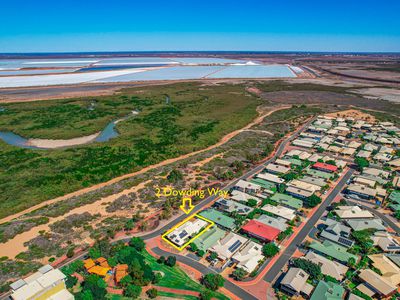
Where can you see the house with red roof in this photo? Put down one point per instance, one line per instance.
(325, 167)
(260, 231)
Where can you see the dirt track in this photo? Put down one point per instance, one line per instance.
(224, 139)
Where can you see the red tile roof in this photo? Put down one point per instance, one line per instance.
(320, 165)
(261, 230)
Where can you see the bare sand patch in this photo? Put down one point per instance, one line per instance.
(53, 144)
(352, 113)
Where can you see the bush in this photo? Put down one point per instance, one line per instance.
(137, 243)
(239, 274)
(171, 261)
(213, 281)
(270, 250)
(311, 268)
(133, 291)
(152, 293)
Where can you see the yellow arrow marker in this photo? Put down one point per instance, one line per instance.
(187, 206)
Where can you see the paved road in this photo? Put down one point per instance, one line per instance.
(239, 292)
(377, 213)
(205, 202)
(288, 252)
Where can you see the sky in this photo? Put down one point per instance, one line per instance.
(170, 25)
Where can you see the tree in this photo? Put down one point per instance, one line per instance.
(171, 261)
(252, 202)
(137, 243)
(70, 252)
(239, 274)
(84, 295)
(71, 281)
(363, 239)
(309, 267)
(206, 295)
(193, 247)
(152, 293)
(361, 163)
(289, 176)
(312, 201)
(133, 291)
(126, 280)
(351, 262)
(96, 285)
(161, 260)
(157, 278)
(270, 249)
(213, 255)
(200, 253)
(94, 253)
(213, 281)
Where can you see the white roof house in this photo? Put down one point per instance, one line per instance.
(303, 143)
(328, 267)
(364, 154)
(365, 181)
(276, 169)
(228, 245)
(249, 256)
(270, 177)
(352, 212)
(280, 211)
(295, 282)
(183, 233)
(248, 187)
(46, 280)
(376, 172)
(242, 196)
(385, 241)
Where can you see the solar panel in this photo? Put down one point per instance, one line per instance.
(183, 234)
(234, 246)
(345, 241)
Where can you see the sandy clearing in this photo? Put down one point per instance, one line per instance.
(16, 245)
(222, 141)
(52, 144)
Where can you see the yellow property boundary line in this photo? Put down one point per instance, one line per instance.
(192, 239)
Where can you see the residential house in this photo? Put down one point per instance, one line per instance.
(359, 180)
(328, 291)
(209, 238)
(218, 218)
(287, 200)
(361, 224)
(295, 282)
(228, 245)
(386, 242)
(46, 283)
(276, 169)
(241, 196)
(388, 268)
(328, 267)
(248, 257)
(374, 284)
(230, 206)
(337, 233)
(376, 172)
(270, 177)
(353, 212)
(278, 222)
(361, 191)
(325, 167)
(247, 187)
(186, 231)
(260, 231)
(280, 211)
(333, 250)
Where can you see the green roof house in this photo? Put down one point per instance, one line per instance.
(287, 200)
(328, 291)
(218, 218)
(333, 250)
(209, 238)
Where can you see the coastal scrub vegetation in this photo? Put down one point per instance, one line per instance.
(195, 117)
